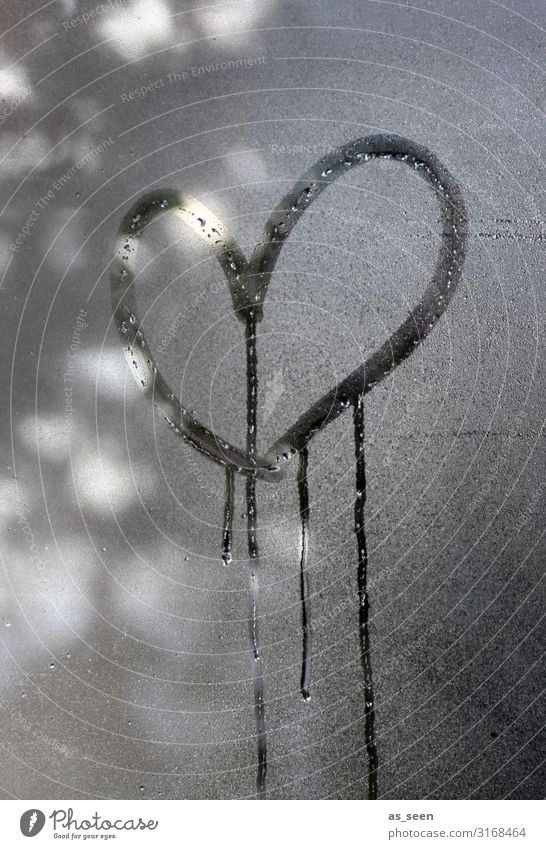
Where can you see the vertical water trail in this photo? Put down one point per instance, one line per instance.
(303, 491)
(363, 599)
(257, 664)
(227, 534)
(259, 704)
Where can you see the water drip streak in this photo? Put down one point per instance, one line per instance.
(257, 665)
(363, 610)
(259, 704)
(303, 491)
(227, 550)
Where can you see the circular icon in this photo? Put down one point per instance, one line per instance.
(32, 822)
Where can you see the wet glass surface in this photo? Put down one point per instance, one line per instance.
(272, 488)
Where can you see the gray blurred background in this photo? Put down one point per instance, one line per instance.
(125, 666)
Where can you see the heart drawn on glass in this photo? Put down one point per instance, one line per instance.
(248, 282)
